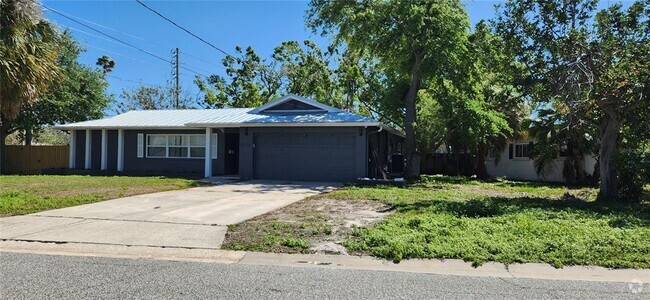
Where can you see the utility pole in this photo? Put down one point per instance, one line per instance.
(177, 75)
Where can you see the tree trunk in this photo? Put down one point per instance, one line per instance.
(579, 163)
(29, 135)
(481, 165)
(608, 140)
(412, 170)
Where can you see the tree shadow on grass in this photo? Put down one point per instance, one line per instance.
(537, 184)
(444, 179)
(618, 215)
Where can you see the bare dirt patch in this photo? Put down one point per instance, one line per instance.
(313, 225)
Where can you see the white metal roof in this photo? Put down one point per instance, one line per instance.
(227, 117)
(158, 119)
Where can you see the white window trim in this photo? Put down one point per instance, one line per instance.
(140, 145)
(514, 151)
(188, 146)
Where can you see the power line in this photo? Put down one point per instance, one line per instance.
(135, 37)
(119, 31)
(134, 59)
(196, 68)
(105, 34)
(190, 70)
(112, 41)
(183, 28)
(125, 56)
(120, 42)
(116, 39)
(129, 80)
(203, 60)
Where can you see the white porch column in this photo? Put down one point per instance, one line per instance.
(73, 149)
(208, 152)
(88, 149)
(120, 150)
(104, 156)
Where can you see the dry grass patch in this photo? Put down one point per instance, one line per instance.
(313, 225)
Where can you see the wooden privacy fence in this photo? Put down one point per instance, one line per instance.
(34, 159)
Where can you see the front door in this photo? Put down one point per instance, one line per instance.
(232, 153)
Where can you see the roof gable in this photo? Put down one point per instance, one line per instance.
(294, 103)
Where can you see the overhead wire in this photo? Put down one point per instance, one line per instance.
(116, 39)
(129, 80)
(135, 37)
(183, 28)
(195, 67)
(125, 56)
(105, 34)
(201, 59)
(119, 31)
(112, 41)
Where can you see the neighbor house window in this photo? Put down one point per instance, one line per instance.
(521, 150)
(179, 146)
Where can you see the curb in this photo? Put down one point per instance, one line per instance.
(425, 266)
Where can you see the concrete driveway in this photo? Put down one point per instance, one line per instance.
(191, 218)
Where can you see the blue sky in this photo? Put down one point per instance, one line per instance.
(226, 24)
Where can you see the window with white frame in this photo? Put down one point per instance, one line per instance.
(521, 150)
(179, 146)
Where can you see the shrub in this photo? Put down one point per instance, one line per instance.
(632, 168)
(295, 243)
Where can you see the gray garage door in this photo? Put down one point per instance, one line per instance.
(305, 156)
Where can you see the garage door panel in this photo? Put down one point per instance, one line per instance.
(305, 156)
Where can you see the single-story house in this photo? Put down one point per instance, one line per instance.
(515, 163)
(292, 138)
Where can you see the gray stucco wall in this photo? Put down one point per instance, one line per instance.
(96, 157)
(248, 135)
(80, 149)
(112, 150)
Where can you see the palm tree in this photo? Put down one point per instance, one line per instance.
(28, 51)
(558, 131)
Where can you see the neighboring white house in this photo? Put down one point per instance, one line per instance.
(515, 163)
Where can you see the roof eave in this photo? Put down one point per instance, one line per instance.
(284, 124)
(392, 130)
(113, 127)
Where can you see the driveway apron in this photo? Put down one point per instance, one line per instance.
(191, 218)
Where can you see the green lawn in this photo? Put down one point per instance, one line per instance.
(506, 222)
(28, 194)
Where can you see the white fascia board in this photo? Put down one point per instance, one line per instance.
(195, 126)
(278, 124)
(64, 127)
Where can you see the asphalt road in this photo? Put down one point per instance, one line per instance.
(32, 276)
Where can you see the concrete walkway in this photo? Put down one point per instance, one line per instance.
(191, 218)
(636, 278)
